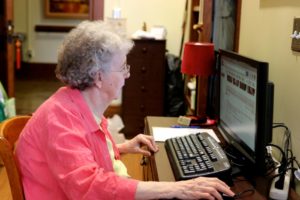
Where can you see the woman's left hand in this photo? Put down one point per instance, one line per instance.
(136, 144)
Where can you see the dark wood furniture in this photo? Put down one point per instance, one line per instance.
(143, 93)
(157, 167)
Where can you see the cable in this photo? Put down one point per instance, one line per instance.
(287, 137)
(247, 192)
(286, 168)
(283, 158)
(271, 171)
(287, 145)
(294, 158)
(235, 158)
(282, 169)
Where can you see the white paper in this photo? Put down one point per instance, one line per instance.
(160, 134)
(156, 32)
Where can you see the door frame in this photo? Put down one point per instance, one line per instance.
(7, 47)
(96, 11)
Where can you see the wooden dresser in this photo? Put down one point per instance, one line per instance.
(143, 93)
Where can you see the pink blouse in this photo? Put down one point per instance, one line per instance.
(63, 154)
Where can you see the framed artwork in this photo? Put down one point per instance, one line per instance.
(76, 9)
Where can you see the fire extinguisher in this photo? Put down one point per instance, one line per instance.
(18, 39)
(18, 45)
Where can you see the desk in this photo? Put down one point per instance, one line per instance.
(157, 167)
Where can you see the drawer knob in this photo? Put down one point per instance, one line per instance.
(142, 107)
(144, 69)
(143, 88)
(144, 161)
(141, 127)
(144, 50)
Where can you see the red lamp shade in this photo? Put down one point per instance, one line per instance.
(198, 59)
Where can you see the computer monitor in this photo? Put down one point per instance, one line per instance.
(245, 107)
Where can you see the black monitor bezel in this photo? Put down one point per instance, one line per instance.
(256, 157)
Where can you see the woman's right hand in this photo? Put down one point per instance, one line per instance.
(202, 188)
(199, 188)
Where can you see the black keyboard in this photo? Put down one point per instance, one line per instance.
(197, 155)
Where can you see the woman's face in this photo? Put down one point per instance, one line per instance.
(114, 79)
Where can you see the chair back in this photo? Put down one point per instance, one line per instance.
(10, 130)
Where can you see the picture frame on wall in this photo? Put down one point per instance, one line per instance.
(74, 9)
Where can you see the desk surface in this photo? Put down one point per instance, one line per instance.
(162, 171)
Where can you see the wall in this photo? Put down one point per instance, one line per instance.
(266, 26)
(43, 46)
(168, 13)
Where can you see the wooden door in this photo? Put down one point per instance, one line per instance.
(201, 27)
(201, 12)
(6, 46)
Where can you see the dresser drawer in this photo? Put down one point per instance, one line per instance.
(148, 48)
(143, 93)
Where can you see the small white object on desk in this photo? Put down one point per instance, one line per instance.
(183, 120)
(160, 134)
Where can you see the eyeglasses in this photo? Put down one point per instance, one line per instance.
(125, 69)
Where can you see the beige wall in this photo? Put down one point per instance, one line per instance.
(168, 13)
(266, 26)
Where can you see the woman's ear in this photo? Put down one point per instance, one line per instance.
(98, 80)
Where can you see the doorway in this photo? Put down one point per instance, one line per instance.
(29, 89)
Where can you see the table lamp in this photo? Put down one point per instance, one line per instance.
(198, 60)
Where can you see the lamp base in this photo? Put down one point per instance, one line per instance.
(209, 122)
(202, 121)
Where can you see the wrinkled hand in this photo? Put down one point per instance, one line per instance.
(136, 144)
(203, 188)
(198, 188)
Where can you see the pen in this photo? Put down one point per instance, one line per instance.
(182, 126)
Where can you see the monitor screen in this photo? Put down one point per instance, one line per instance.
(245, 116)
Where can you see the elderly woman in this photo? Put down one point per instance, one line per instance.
(66, 152)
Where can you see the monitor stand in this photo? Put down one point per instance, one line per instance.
(240, 165)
